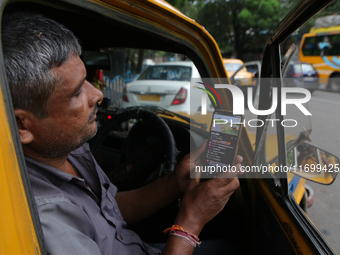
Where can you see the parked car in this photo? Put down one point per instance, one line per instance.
(262, 216)
(147, 62)
(296, 75)
(302, 75)
(164, 85)
(231, 65)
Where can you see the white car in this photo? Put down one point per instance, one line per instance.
(166, 85)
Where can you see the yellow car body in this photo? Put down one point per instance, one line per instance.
(20, 231)
(231, 65)
(243, 77)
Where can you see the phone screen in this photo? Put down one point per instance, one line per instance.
(222, 145)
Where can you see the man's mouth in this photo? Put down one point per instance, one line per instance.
(93, 115)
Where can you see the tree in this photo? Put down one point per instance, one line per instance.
(240, 25)
(216, 18)
(244, 26)
(188, 7)
(257, 20)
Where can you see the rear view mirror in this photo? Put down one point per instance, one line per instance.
(313, 163)
(96, 60)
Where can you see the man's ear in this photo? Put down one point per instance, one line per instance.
(24, 119)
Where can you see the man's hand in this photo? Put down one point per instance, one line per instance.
(141, 203)
(203, 201)
(181, 174)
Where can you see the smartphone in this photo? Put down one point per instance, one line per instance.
(225, 130)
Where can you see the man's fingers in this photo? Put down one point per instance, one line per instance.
(225, 178)
(238, 159)
(231, 173)
(231, 187)
(196, 153)
(227, 186)
(195, 175)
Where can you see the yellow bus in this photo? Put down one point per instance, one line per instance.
(321, 48)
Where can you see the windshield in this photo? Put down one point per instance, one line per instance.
(232, 66)
(147, 78)
(167, 73)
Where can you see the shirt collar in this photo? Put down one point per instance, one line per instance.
(53, 174)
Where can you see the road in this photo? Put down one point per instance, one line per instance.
(325, 212)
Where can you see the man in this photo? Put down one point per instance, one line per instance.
(55, 108)
(306, 158)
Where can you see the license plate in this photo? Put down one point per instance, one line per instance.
(149, 98)
(309, 78)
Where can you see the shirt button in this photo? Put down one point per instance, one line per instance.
(121, 237)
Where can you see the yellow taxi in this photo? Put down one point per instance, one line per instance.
(231, 65)
(262, 217)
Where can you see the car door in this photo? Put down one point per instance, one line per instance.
(295, 222)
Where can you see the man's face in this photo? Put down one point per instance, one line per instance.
(71, 112)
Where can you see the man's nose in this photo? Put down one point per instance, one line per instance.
(95, 95)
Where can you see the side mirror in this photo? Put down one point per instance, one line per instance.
(313, 163)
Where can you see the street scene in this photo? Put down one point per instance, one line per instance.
(325, 211)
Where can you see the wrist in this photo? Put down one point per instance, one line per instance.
(174, 184)
(189, 224)
(186, 236)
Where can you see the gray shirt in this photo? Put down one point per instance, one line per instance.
(81, 216)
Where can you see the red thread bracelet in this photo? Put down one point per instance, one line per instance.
(176, 230)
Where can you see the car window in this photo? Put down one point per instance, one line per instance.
(311, 46)
(295, 122)
(148, 78)
(167, 73)
(323, 106)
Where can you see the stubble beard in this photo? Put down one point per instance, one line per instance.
(59, 146)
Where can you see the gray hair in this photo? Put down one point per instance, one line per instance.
(32, 45)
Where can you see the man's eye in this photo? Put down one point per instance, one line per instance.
(78, 93)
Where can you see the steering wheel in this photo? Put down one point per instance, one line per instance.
(149, 145)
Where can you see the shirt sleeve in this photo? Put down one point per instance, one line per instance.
(67, 229)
